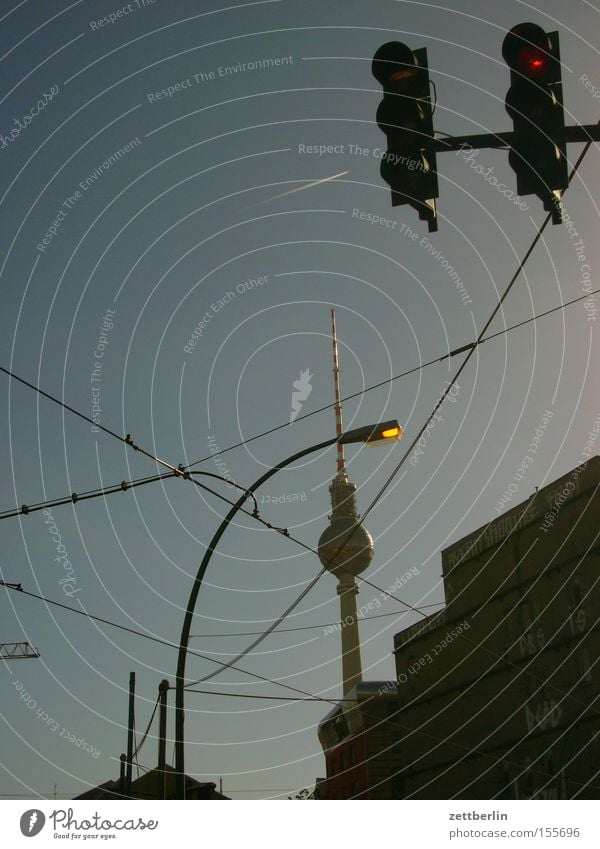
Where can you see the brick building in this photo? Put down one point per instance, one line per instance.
(359, 739)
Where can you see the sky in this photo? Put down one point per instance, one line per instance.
(161, 275)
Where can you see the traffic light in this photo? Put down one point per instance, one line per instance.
(405, 116)
(534, 102)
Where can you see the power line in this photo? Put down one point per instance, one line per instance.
(125, 439)
(273, 698)
(179, 470)
(469, 349)
(146, 732)
(389, 380)
(284, 531)
(260, 677)
(134, 631)
(124, 486)
(307, 627)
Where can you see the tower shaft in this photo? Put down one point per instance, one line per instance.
(347, 590)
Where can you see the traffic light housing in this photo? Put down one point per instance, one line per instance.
(534, 102)
(409, 165)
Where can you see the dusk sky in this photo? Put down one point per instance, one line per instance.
(160, 275)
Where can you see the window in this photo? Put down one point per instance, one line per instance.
(339, 727)
(342, 761)
(527, 615)
(585, 666)
(575, 592)
(352, 754)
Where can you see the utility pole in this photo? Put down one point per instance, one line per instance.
(163, 689)
(130, 730)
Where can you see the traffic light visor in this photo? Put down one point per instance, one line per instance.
(395, 66)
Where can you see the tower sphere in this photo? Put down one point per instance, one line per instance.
(354, 556)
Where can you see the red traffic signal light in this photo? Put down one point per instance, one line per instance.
(534, 102)
(532, 62)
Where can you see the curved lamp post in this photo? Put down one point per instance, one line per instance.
(371, 433)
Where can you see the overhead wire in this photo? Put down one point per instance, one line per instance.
(127, 440)
(149, 726)
(104, 621)
(179, 470)
(262, 678)
(284, 531)
(381, 383)
(124, 486)
(469, 350)
(305, 627)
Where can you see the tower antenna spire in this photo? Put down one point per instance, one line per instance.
(339, 424)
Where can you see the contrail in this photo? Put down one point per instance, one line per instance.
(301, 188)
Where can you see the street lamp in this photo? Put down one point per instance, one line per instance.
(377, 433)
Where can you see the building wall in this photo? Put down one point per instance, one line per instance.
(497, 690)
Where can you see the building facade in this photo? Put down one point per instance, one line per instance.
(499, 690)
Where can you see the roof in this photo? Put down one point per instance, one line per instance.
(150, 786)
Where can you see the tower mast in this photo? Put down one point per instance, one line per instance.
(345, 546)
(339, 424)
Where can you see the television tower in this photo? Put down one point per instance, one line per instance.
(345, 547)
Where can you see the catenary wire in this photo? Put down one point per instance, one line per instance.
(251, 674)
(469, 349)
(306, 627)
(127, 440)
(18, 588)
(461, 349)
(143, 740)
(179, 470)
(124, 486)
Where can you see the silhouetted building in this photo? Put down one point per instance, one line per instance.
(150, 786)
(498, 691)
